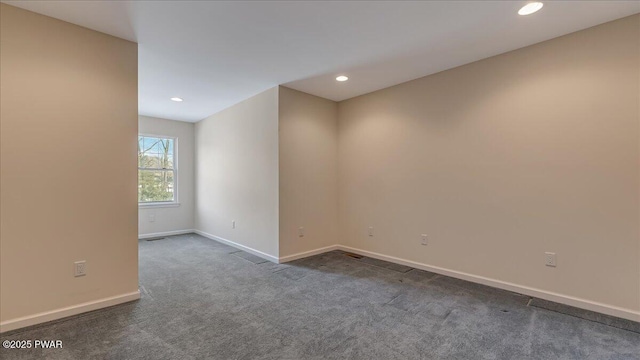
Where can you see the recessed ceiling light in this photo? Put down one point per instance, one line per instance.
(530, 8)
(177, 99)
(342, 78)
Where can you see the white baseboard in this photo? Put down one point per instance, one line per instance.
(525, 290)
(67, 311)
(628, 314)
(165, 233)
(542, 294)
(238, 246)
(305, 254)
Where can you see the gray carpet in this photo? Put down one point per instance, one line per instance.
(205, 300)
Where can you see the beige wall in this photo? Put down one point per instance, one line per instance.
(169, 218)
(68, 124)
(237, 173)
(504, 159)
(308, 144)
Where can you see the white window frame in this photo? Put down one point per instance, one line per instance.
(175, 202)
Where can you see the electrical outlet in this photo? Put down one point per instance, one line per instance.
(233, 224)
(370, 230)
(80, 268)
(425, 239)
(152, 217)
(301, 231)
(550, 259)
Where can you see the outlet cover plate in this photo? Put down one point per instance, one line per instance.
(550, 259)
(80, 268)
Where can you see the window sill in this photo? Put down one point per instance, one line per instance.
(158, 205)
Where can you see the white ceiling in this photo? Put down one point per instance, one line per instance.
(215, 54)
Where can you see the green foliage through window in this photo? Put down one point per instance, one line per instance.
(156, 172)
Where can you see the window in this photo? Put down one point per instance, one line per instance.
(156, 170)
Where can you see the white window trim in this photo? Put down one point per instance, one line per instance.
(175, 202)
(158, 204)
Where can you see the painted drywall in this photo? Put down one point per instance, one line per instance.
(69, 125)
(308, 150)
(237, 173)
(504, 159)
(171, 219)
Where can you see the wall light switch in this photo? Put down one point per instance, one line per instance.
(301, 231)
(425, 239)
(233, 224)
(370, 230)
